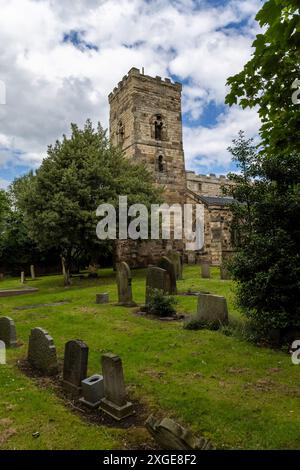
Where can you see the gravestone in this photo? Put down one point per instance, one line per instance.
(227, 255)
(102, 298)
(23, 277)
(92, 391)
(172, 436)
(156, 278)
(8, 332)
(75, 366)
(175, 257)
(115, 402)
(212, 308)
(191, 257)
(165, 263)
(224, 273)
(32, 271)
(124, 285)
(42, 352)
(205, 270)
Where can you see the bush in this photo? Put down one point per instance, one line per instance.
(161, 305)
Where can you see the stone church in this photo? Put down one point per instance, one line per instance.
(146, 121)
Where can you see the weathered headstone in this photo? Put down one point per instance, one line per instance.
(23, 277)
(115, 402)
(8, 332)
(92, 391)
(165, 263)
(32, 271)
(102, 298)
(191, 257)
(171, 436)
(205, 270)
(42, 352)
(212, 308)
(175, 257)
(124, 285)
(75, 366)
(156, 278)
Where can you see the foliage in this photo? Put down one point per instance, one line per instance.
(267, 217)
(79, 173)
(161, 304)
(266, 80)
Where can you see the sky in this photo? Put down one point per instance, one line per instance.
(59, 60)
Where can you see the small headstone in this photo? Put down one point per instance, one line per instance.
(92, 391)
(8, 332)
(115, 402)
(42, 352)
(191, 257)
(124, 285)
(102, 298)
(156, 278)
(23, 277)
(224, 273)
(32, 272)
(167, 264)
(205, 270)
(171, 436)
(75, 366)
(175, 257)
(212, 308)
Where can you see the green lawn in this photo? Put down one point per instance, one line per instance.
(238, 395)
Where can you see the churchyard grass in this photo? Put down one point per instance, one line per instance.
(238, 395)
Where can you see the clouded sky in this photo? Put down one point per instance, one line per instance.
(59, 60)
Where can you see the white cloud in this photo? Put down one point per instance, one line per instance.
(50, 83)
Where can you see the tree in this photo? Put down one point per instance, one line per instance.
(79, 173)
(266, 215)
(267, 79)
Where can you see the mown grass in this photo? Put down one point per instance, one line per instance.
(238, 395)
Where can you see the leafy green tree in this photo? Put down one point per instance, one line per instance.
(266, 215)
(267, 79)
(79, 173)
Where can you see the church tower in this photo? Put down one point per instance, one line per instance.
(145, 119)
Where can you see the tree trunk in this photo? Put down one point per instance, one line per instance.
(66, 272)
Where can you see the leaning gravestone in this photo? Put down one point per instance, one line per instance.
(156, 278)
(42, 352)
(124, 285)
(165, 263)
(205, 270)
(115, 402)
(8, 332)
(171, 436)
(175, 257)
(75, 366)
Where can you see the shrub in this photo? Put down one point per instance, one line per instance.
(161, 304)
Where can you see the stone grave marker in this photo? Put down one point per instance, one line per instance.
(175, 257)
(205, 270)
(102, 298)
(92, 391)
(165, 263)
(8, 332)
(124, 285)
(156, 278)
(23, 277)
(115, 402)
(32, 272)
(75, 366)
(42, 352)
(212, 308)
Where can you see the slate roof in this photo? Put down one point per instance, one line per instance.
(216, 200)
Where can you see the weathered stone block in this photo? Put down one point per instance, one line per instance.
(92, 391)
(102, 298)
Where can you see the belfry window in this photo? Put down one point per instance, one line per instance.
(158, 128)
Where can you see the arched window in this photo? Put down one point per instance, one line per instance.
(120, 133)
(158, 128)
(160, 164)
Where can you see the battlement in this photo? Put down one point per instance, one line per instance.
(192, 176)
(134, 72)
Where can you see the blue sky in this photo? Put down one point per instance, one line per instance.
(60, 60)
